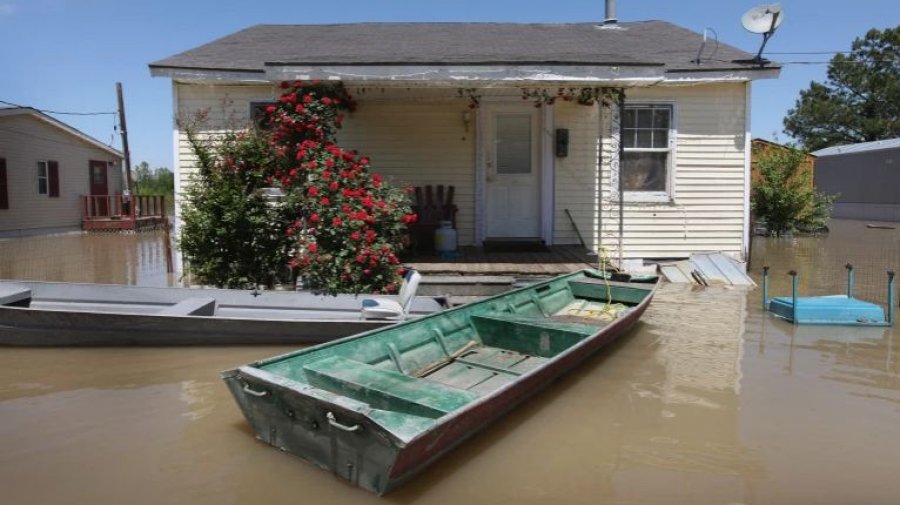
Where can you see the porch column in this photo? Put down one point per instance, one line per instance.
(610, 204)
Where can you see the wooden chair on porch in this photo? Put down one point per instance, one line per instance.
(432, 205)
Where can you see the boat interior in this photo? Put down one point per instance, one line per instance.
(414, 373)
(222, 303)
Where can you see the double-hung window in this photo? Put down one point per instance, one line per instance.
(43, 177)
(648, 139)
(47, 176)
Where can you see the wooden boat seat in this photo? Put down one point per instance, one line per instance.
(194, 306)
(536, 336)
(385, 389)
(15, 295)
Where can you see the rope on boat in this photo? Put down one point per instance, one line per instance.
(610, 310)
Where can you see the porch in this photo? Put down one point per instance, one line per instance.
(474, 261)
(118, 213)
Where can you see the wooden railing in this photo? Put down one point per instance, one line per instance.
(119, 207)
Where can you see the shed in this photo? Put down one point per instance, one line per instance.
(866, 176)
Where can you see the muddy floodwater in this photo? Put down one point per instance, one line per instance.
(707, 401)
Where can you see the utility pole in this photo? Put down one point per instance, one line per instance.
(124, 132)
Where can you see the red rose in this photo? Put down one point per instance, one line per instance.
(367, 272)
(270, 109)
(355, 235)
(314, 218)
(334, 186)
(312, 247)
(336, 221)
(324, 201)
(313, 191)
(360, 258)
(307, 98)
(326, 100)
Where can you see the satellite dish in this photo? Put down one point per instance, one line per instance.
(764, 20)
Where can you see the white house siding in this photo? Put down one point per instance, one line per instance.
(413, 138)
(707, 211)
(576, 176)
(25, 140)
(418, 137)
(420, 143)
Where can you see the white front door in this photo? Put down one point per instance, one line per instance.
(512, 171)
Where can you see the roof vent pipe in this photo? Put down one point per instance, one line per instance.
(610, 13)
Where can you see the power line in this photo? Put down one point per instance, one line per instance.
(59, 112)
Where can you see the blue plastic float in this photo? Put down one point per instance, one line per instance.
(829, 309)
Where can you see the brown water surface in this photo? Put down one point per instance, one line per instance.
(708, 401)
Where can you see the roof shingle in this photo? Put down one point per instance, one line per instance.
(645, 43)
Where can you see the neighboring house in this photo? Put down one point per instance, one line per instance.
(685, 124)
(866, 177)
(760, 146)
(45, 168)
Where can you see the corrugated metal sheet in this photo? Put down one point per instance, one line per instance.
(708, 269)
(858, 148)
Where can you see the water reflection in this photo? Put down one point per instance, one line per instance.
(108, 258)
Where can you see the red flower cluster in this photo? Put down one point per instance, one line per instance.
(354, 222)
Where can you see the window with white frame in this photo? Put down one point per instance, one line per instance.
(647, 140)
(43, 178)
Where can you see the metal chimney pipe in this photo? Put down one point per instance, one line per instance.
(610, 13)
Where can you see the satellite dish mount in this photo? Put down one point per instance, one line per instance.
(764, 20)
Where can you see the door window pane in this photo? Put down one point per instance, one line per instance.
(514, 144)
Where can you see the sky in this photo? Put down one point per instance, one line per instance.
(67, 55)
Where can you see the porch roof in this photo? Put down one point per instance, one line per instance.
(646, 50)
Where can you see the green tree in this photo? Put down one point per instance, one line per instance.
(783, 196)
(859, 102)
(231, 236)
(153, 182)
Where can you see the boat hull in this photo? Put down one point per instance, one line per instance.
(341, 435)
(71, 314)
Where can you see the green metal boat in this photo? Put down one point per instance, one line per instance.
(378, 407)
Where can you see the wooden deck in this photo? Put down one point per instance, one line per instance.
(474, 261)
(116, 213)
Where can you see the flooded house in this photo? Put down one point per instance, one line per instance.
(46, 169)
(628, 134)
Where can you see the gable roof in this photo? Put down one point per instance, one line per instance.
(659, 45)
(859, 148)
(32, 112)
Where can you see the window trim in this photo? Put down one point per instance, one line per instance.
(655, 196)
(45, 177)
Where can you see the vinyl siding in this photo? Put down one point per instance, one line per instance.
(576, 178)
(410, 141)
(706, 212)
(24, 141)
(417, 137)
